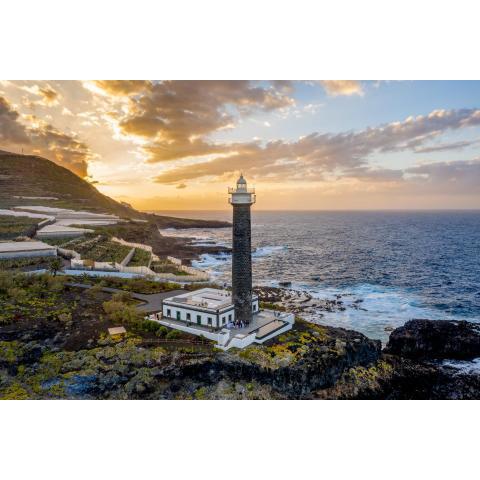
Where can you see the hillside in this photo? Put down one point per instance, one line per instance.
(33, 176)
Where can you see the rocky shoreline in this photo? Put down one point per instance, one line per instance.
(309, 362)
(300, 302)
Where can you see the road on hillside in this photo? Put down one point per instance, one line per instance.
(151, 302)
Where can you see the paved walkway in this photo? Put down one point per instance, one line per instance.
(151, 302)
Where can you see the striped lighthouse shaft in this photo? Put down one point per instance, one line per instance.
(242, 264)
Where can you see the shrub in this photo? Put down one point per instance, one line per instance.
(149, 326)
(121, 312)
(95, 291)
(125, 297)
(162, 331)
(173, 334)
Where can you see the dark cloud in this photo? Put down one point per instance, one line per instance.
(43, 139)
(63, 148)
(48, 94)
(11, 130)
(181, 186)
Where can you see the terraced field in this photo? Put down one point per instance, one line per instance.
(12, 227)
(140, 258)
(102, 250)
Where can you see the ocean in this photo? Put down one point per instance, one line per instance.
(396, 265)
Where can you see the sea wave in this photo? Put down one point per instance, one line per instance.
(267, 250)
(464, 366)
(373, 310)
(214, 260)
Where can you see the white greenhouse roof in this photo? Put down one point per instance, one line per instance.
(23, 246)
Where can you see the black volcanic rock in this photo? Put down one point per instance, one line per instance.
(436, 339)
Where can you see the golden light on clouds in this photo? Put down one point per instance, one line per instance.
(179, 143)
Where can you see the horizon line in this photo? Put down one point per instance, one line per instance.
(324, 210)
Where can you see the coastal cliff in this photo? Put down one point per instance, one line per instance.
(53, 344)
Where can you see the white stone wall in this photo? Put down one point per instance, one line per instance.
(217, 320)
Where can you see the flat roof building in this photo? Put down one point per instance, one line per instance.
(210, 313)
(26, 249)
(209, 307)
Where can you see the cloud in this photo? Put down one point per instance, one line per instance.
(181, 186)
(65, 149)
(457, 177)
(177, 118)
(342, 87)
(41, 138)
(319, 154)
(11, 130)
(49, 95)
(123, 87)
(443, 147)
(369, 174)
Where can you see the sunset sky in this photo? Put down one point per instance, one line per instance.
(303, 144)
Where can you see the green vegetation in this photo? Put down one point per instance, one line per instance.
(123, 313)
(12, 227)
(101, 250)
(272, 306)
(31, 297)
(54, 341)
(55, 265)
(291, 347)
(61, 374)
(140, 258)
(165, 266)
(139, 284)
(27, 263)
(61, 241)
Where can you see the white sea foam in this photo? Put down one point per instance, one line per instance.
(211, 261)
(267, 250)
(464, 366)
(373, 310)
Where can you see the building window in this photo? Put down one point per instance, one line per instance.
(188, 316)
(169, 313)
(179, 316)
(209, 320)
(199, 319)
(230, 318)
(223, 321)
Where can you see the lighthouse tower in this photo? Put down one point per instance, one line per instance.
(241, 199)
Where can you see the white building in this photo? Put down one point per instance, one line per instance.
(26, 249)
(209, 313)
(208, 307)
